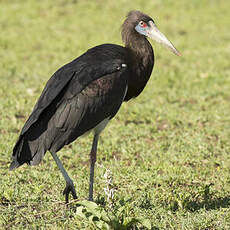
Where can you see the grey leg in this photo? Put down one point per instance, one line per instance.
(93, 158)
(69, 183)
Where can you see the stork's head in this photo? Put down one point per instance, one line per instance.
(139, 24)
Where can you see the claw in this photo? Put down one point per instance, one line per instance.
(69, 188)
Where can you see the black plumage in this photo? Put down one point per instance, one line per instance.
(72, 103)
(86, 93)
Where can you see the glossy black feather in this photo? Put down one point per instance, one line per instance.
(76, 98)
(84, 92)
(79, 70)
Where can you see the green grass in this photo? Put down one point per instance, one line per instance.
(168, 150)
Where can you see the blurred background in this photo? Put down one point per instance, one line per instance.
(168, 150)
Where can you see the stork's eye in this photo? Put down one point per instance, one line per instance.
(143, 24)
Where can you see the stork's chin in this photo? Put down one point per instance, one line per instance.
(156, 35)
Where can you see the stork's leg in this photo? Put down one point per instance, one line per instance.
(69, 183)
(93, 158)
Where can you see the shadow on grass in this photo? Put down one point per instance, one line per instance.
(210, 204)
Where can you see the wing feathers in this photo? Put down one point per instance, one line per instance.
(80, 79)
(62, 107)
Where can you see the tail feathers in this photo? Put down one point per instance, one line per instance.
(16, 161)
(14, 164)
(26, 152)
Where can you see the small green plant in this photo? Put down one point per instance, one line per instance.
(102, 218)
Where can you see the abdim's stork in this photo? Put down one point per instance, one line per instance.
(86, 93)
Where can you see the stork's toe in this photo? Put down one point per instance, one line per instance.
(69, 188)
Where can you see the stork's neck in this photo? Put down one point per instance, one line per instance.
(141, 50)
(141, 61)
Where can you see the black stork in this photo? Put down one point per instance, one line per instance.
(86, 93)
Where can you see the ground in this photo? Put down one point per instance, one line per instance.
(167, 150)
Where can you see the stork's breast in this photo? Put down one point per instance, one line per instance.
(108, 84)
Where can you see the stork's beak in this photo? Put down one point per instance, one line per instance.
(156, 35)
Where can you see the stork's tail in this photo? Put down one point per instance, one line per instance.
(17, 156)
(14, 164)
(26, 152)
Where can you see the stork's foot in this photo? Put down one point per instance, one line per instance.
(90, 198)
(69, 188)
